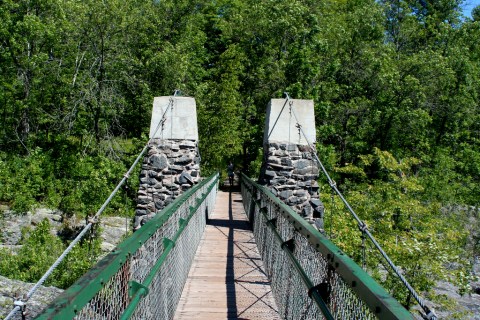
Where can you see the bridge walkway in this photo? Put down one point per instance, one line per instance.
(227, 279)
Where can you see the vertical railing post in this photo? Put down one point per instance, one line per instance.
(251, 213)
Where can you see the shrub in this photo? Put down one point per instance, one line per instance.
(40, 250)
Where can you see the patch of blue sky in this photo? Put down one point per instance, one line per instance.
(468, 5)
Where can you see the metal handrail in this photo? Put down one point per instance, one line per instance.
(378, 301)
(169, 244)
(284, 245)
(71, 301)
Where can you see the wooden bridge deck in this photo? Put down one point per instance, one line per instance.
(227, 280)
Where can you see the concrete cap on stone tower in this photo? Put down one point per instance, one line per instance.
(285, 129)
(180, 118)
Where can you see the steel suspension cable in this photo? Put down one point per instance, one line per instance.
(363, 227)
(281, 111)
(21, 303)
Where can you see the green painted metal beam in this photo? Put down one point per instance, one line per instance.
(306, 280)
(169, 244)
(366, 288)
(72, 300)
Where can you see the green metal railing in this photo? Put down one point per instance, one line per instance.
(143, 277)
(310, 277)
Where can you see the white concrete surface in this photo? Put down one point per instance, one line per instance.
(180, 120)
(285, 129)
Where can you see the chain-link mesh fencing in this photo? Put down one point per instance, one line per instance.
(306, 270)
(144, 277)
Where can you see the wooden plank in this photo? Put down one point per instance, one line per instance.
(227, 280)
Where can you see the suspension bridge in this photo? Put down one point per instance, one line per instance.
(239, 253)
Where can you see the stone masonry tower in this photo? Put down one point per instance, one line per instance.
(289, 169)
(172, 164)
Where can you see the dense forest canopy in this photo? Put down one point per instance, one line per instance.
(396, 86)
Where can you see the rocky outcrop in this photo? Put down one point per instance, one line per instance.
(10, 290)
(170, 167)
(291, 173)
(12, 224)
(465, 306)
(112, 229)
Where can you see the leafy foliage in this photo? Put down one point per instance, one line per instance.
(395, 83)
(388, 197)
(72, 183)
(40, 249)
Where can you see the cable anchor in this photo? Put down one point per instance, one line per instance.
(324, 289)
(362, 227)
(289, 244)
(22, 305)
(93, 220)
(430, 314)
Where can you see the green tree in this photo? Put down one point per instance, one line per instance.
(476, 13)
(387, 194)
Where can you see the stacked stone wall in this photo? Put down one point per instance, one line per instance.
(170, 167)
(291, 173)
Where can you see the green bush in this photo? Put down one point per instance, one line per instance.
(22, 179)
(40, 249)
(74, 183)
(388, 197)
